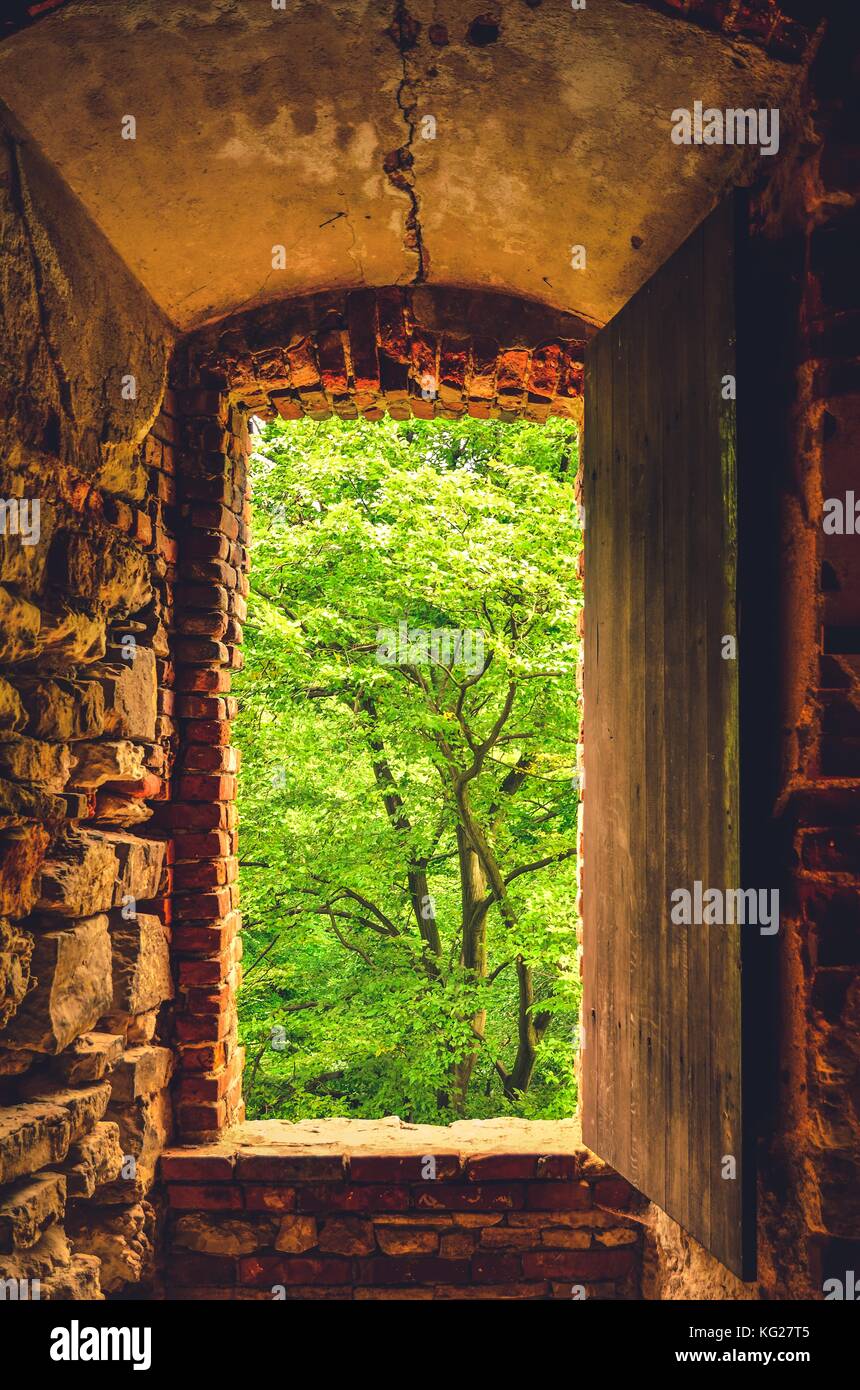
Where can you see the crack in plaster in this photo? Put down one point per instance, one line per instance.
(399, 166)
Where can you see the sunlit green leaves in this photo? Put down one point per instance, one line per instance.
(360, 528)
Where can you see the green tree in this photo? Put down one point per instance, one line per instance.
(408, 728)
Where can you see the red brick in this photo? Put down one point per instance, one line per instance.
(468, 1197)
(267, 1198)
(202, 815)
(557, 1196)
(205, 1002)
(203, 1270)
(264, 1271)
(190, 1165)
(558, 1167)
(201, 907)
(204, 846)
(382, 1168)
(206, 938)
(203, 972)
(210, 1197)
(207, 731)
(415, 1269)
(201, 788)
(208, 1028)
(496, 1269)
(508, 1167)
(206, 707)
(275, 1168)
(201, 1119)
(347, 1197)
(210, 1087)
(613, 1192)
(207, 1056)
(579, 1264)
(194, 678)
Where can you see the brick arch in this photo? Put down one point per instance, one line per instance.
(363, 353)
(406, 351)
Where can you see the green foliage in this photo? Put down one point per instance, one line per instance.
(373, 776)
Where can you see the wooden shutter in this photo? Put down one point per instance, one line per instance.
(663, 1085)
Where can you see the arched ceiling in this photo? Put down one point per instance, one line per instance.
(304, 127)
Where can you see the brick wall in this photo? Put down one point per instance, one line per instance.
(310, 1211)
(201, 817)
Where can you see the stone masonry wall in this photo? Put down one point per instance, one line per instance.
(357, 1209)
(87, 552)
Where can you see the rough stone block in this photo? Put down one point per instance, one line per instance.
(20, 623)
(68, 638)
(296, 1234)
(50, 1255)
(122, 1240)
(20, 804)
(105, 571)
(130, 696)
(97, 763)
(61, 709)
(141, 964)
(139, 865)
(77, 1282)
(13, 716)
(28, 1207)
(16, 950)
(144, 1130)
(347, 1235)
(80, 878)
(22, 854)
(31, 1136)
(217, 1235)
(141, 1072)
(89, 1058)
(113, 808)
(73, 969)
(45, 765)
(96, 1159)
(404, 1240)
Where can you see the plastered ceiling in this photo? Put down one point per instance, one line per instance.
(304, 127)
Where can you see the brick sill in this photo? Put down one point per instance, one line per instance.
(355, 1209)
(387, 1150)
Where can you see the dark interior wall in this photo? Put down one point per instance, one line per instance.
(86, 557)
(800, 429)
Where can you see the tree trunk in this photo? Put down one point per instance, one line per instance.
(530, 1027)
(473, 952)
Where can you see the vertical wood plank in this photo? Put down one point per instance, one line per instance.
(662, 1092)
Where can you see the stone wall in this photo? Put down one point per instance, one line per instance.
(86, 561)
(357, 1209)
